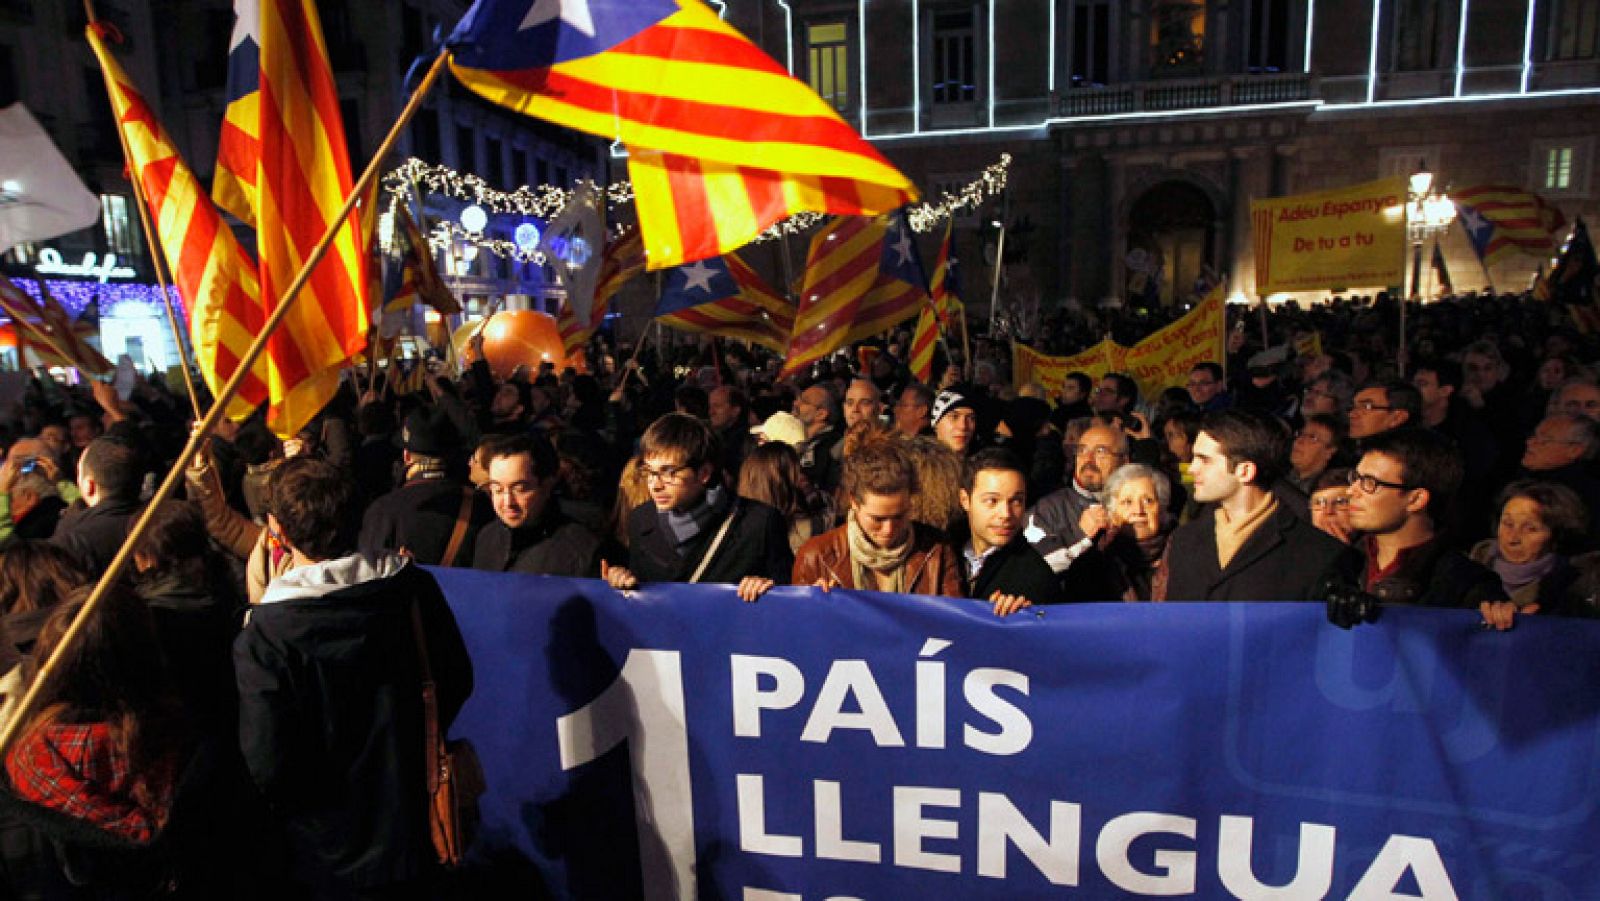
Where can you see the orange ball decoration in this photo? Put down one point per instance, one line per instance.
(522, 338)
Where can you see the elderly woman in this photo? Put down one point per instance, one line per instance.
(1123, 559)
(1540, 524)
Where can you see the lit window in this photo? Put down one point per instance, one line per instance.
(118, 226)
(828, 63)
(1557, 168)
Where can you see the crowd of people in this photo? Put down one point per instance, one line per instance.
(243, 714)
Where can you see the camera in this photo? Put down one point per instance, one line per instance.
(27, 464)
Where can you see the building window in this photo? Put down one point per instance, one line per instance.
(1091, 43)
(1177, 36)
(494, 165)
(519, 166)
(1576, 30)
(117, 224)
(828, 62)
(1269, 36)
(425, 135)
(541, 171)
(954, 57)
(1561, 167)
(466, 150)
(1416, 35)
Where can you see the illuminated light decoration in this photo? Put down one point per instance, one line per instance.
(1461, 45)
(788, 35)
(1311, 21)
(1527, 48)
(526, 236)
(990, 36)
(916, 67)
(546, 201)
(135, 296)
(861, 46)
(1469, 98)
(1372, 55)
(51, 263)
(474, 219)
(11, 186)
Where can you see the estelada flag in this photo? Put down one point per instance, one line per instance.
(722, 141)
(1503, 219)
(724, 297)
(233, 184)
(863, 276)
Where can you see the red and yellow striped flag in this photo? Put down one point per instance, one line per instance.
(942, 287)
(43, 327)
(1503, 219)
(736, 303)
(302, 180)
(211, 270)
(233, 184)
(623, 259)
(862, 277)
(922, 342)
(722, 141)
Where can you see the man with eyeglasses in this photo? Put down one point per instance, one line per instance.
(1249, 546)
(1562, 449)
(1383, 406)
(531, 533)
(434, 517)
(1327, 394)
(1117, 393)
(818, 410)
(695, 528)
(1315, 446)
(1064, 523)
(1207, 388)
(1399, 495)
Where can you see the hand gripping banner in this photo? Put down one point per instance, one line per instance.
(676, 743)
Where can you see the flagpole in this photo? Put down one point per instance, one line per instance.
(157, 256)
(202, 431)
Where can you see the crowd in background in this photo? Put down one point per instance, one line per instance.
(273, 618)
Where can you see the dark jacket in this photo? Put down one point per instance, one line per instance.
(1057, 514)
(1436, 575)
(41, 521)
(330, 714)
(95, 533)
(419, 516)
(1015, 569)
(757, 544)
(931, 568)
(1283, 560)
(553, 546)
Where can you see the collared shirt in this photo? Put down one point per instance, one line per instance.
(1374, 573)
(975, 561)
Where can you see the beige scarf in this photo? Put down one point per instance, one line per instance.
(867, 558)
(1232, 535)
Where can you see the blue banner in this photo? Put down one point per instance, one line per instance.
(674, 742)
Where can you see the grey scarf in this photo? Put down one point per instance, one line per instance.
(686, 525)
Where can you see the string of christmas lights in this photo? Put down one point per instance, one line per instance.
(547, 201)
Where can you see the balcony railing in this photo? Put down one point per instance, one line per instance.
(1164, 96)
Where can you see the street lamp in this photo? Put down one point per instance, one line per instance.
(1428, 213)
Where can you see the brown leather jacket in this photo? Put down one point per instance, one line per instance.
(932, 565)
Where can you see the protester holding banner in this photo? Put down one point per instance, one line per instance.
(531, 533)
(998, 563)
(879, 548)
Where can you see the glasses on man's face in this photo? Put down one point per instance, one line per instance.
(666, 475)
(1326, 504)
(1367, 406)
(1369, 484)
(1100, 452)
(1309, 437)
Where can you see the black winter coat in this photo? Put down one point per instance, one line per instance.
(757, 544)
(1015, 569)
(330, 715)
(95, 533)
(419, 517)
(1284, 560)
(553, 546)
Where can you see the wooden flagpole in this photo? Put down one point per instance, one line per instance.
(11, 728)
(157, 256)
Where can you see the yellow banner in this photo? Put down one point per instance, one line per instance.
(1347, 237)
(1028, 365)
(1160, 361)
(1164, 359)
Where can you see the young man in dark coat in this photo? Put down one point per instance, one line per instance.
(998, 564)
(109, 476)
(422, 516)
(530, 533)
(1250, 547)
(695, 528)
(330, 675)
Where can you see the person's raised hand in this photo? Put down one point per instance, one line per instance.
(751, 588)
(1007, 604)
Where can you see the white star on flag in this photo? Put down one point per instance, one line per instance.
(902, 247)
(1473, 220)
(698, 277)
(246, 23)
(572, 12)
